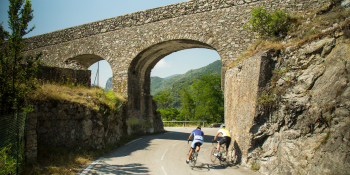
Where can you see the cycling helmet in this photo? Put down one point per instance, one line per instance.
(199, 127)
(222, 126)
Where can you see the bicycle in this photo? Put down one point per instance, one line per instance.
(222, 153)
(193, 157)
(231, 157)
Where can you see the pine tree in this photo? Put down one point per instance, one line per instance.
(17, 72)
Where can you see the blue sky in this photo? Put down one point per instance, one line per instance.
(52, 15)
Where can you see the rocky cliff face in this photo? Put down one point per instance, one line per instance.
(305, 127)
(300, 122)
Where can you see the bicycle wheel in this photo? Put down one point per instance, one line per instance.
(194, 159)
(212, 156)
(221, 157)
(233, 156)
(191, 159)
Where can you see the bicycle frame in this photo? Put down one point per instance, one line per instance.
(193, 157)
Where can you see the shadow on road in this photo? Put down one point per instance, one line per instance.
(208, 167)
(134, 168)
(143, 143)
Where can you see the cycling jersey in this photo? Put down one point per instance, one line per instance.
(198, 137)
(224, 132)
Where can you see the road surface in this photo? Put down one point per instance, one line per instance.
(163, 154)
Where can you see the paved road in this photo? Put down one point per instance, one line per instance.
(164, 154)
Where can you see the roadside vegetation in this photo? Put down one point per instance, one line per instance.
(17, 73)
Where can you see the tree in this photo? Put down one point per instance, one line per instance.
(163, 99)
(208, 98)
(269, 24)
(187, 104)
(169, 114)
(17, 73)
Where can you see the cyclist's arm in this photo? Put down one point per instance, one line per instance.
(217, 134)
(190, 137)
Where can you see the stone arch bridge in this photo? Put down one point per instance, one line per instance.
(133, 43)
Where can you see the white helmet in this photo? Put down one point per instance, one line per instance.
(222, 126)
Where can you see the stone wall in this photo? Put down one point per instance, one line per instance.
(71, 125)
(305, 129)
(243, 84)
(66, 76)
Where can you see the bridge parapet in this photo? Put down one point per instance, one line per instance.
(144, 17)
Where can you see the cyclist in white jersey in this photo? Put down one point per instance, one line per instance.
(226, 139)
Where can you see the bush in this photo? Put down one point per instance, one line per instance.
(8, 164)
(269, 24)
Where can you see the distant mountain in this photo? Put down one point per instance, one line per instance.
(172, 76)
(177, 81)
(159, 84)
(109, 84)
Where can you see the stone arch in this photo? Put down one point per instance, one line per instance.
(85, 60)
(139, 98)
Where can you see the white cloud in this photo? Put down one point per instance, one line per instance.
(162, 64)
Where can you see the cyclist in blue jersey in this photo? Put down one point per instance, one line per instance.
(225, 140)
(198, 139)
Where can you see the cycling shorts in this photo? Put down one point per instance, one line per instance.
(196, 143)
(226, 140)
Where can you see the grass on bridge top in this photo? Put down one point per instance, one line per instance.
(90, 97)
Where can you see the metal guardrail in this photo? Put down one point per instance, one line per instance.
(184, 122)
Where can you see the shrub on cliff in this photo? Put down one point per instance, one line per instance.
(269, 24)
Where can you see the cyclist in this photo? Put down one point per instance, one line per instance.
(197, 141)
(225, 140)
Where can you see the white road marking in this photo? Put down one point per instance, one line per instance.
(90, 166)
(133, 141)
(175, 144)
(164, 171)
(164, 154)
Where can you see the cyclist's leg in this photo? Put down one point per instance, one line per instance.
(218, 147)
(189, 155)
(228, 142)
(192, 149)
(222, 141)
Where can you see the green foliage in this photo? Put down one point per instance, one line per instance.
(254, 165)
(169, 114)
(17, 73)
(201, 99)
(163, 99)
(209, 98)
(269, 24)
(114, 101)
(7, 163)
(187, 105)
(266, 98)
